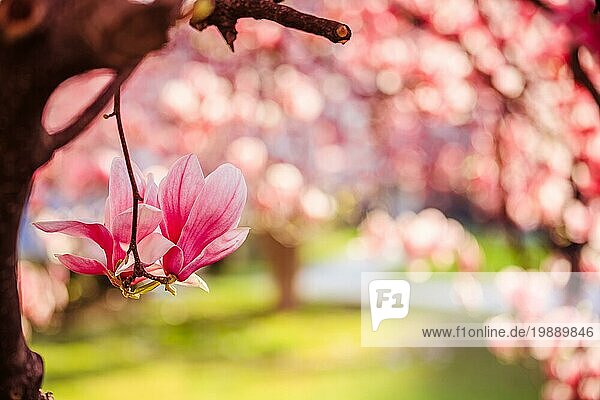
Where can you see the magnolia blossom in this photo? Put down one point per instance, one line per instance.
(200, 215)
(115, 233)
(198, 223)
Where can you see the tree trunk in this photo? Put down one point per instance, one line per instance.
(284, 263)
(21, 152)
(21, 370)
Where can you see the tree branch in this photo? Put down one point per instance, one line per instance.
(64, 136)
(581, 76)
(224, 14)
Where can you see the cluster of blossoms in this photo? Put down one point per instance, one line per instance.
(573, 370)
(427, 239)
(184, 223)
(283, 202)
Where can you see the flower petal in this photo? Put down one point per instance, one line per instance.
(107, 215)
(194, 281)
(173, 261)
(94, 231)
(220, 248)
(215, 211)
(153, 247)
(151, 195)
(82, 265)
(155, 270)
(148, 219)
(177, 194)
(119, 188)
(125, 267)
(140, 180)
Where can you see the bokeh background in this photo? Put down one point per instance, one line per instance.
(446, 135)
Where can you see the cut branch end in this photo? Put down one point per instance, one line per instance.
(224, 15)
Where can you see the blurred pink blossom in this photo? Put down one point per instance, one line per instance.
(42, 292)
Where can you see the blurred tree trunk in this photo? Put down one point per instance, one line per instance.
(284, 262)
(21, 369)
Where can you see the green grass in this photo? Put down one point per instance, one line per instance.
(499, 252)
(229, 345)
(329, 243)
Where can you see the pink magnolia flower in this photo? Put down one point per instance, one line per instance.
(200, 215)
(114, 235)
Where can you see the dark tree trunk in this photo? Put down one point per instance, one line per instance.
(21, 369)
(21, 152)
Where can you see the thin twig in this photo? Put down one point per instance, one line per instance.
(134, 189)
(138, 268)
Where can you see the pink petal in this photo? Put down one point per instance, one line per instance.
(173, 261)
(217, 250)
(139, 280)
(119, 187)
(140, 180)
(81, 265)
(155, 270)
(151, 195)
(107, 215)
(153, 247)
(118, 254)
(194, 281)
(148, 219)
(96, 232)
(216, 210)
(177, 194)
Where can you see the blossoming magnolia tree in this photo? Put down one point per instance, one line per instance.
(75, 37)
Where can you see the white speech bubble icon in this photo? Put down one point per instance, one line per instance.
(389, 299)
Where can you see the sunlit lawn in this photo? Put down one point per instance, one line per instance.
(228, 345)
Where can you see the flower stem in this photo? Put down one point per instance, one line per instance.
(138, 268)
